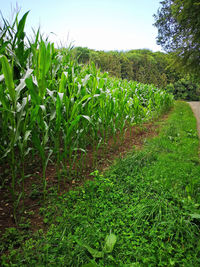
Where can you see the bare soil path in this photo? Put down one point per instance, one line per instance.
(195, 106)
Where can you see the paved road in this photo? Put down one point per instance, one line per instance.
(196, 109)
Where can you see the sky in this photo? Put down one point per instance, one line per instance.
(97, 24)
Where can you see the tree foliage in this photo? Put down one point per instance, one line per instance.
(185, 89)
(178, 23)
(140, 65)
(143, 65)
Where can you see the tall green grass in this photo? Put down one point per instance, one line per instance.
(52, 108)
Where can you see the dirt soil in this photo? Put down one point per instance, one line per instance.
(195, 106)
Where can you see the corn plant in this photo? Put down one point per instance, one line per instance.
(16, 120)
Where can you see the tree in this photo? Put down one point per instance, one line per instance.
(82, 54)
(126, 67)
(178, 23)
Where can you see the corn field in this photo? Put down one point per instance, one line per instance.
(53, 108)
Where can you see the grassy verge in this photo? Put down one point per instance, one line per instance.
(149, 201)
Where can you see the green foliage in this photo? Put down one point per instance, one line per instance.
(108, 247)
(13, 43)
(82, 54)
(55, 108)
(140, 65)
(7, 73)
(149, 200)
(145, 66)
(184, 89)
(179, 32)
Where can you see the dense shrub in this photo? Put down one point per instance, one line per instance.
(185, 89)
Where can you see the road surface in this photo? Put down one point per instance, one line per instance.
(195, 106)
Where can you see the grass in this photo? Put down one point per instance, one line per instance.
(148, 200)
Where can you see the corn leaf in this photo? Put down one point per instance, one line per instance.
(8, 77)
(20, 28)
(63, 82)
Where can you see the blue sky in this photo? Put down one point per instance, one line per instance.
(96, 24)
